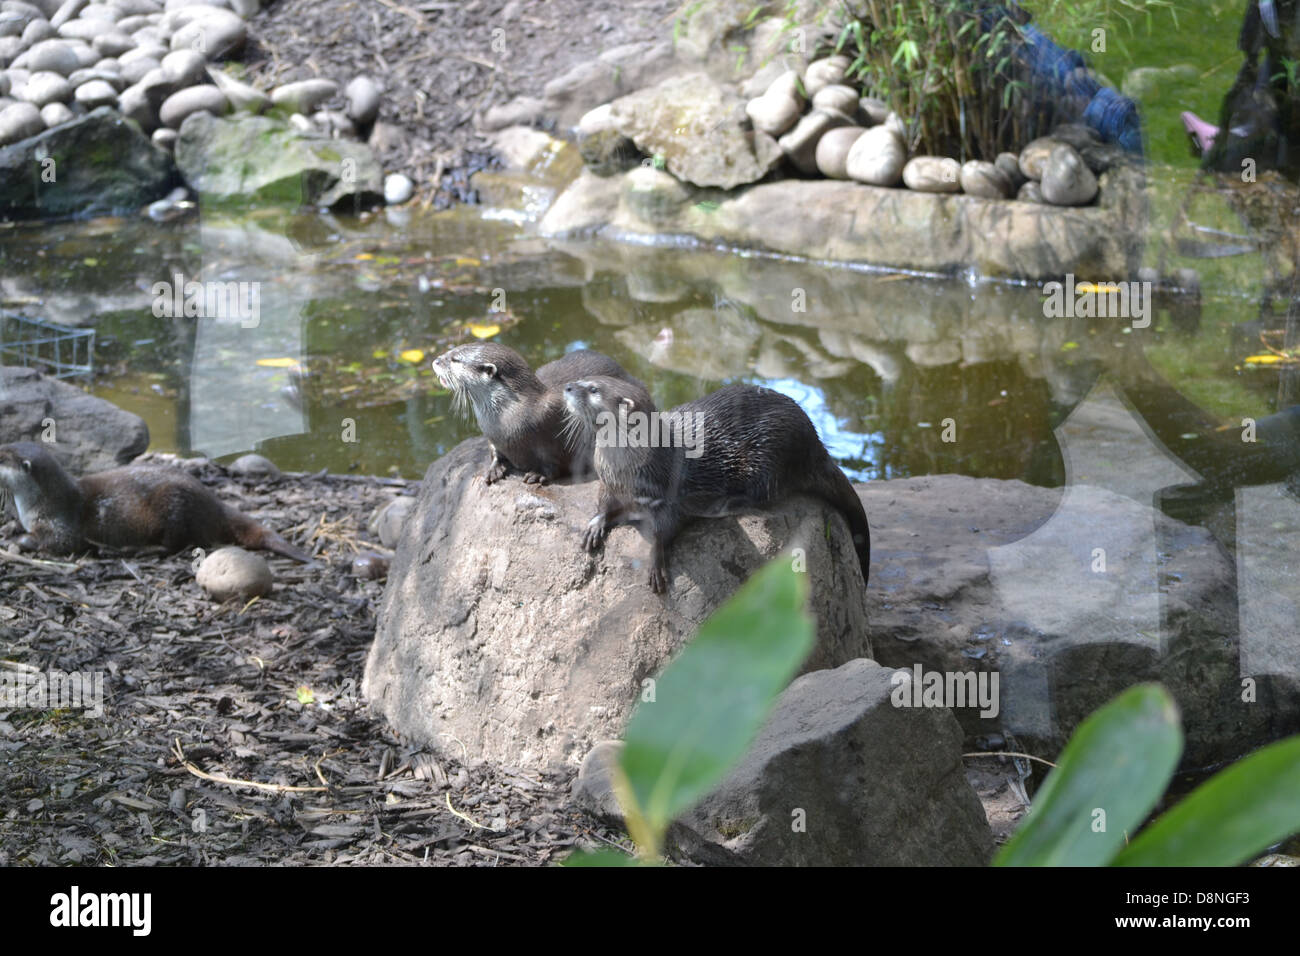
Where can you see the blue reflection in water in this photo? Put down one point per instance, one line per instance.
(853, 450)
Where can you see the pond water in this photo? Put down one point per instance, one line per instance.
(350, 312)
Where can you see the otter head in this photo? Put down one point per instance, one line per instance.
(32, 475)
(485, 376)
(600, 402)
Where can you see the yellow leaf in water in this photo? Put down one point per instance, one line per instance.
(483, 331)
(366, 255)
(414, 356)
(379, 353)
(305, 696)
(278, 363)
(467, 261)
(1264, 359)
(1096, 287)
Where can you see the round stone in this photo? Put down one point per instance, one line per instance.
(252, 466)
(182, 103)
(303, 96)
(877, 157)
(833, 151)
(45, 87)
(95, 93)
(56, 114)
(397, 189)
(186, 67)
(1067, 180)
(932, 174)
(823, 73)
(234, 573)
(985, 180)
(773, 114)
(18, 121)
(837, 98)
(363, 100)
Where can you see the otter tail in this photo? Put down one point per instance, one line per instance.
(836, 489)
(273, 542)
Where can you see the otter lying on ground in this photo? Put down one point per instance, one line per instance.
(522, 412)
(132, 507)
(746, 447)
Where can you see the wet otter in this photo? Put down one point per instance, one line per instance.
(522, 412)
(131, 507)
(741, 447)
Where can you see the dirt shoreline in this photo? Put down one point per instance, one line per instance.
(442, 64)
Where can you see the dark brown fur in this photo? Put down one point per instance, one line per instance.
(522, 412)
(756, 447)
(125, 508)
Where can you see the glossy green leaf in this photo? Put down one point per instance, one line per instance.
(1231, 817)
(1119, 761)
(711, 701)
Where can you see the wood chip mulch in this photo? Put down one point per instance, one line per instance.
(236, 735)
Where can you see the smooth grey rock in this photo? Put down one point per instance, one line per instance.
(1067, 180)
(67, 11)
(93, 435)
(250, 466)
(135, 104)
(773, 113)
(363, 96)
(241, 95)
(1034, 156)
(334, 123)
(234, 574)
(4, 83)
(18, 121)
(874, 110)
(181, 104)
(102, 11)
(837, 98)
(654, 196)
(593, 788)
(11, 48)
(1009, 163)
(105, 167)
(838, 754)
(389, 520)
(800, 144)
(186, 67)
(56, 114)
(81, 77)
(932, 174)
(145, 51)
(823, 73)
(877, 158)
(36, 31)
(494, 564)
(521, 111)
(86, 30)
(833, 151)
(95, 93)
(216, 33)
(133, 71)
(985, 180)
(304, 96)
(58, 56)
(1030, 191)
(397, 189)
(45, 87)
(164, 138)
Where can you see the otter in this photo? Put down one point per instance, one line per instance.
(131, 507)
(741, 447)
(521, 411)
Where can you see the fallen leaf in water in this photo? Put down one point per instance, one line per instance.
(414, 356)
(467, 261)
(1264, 359)
(278, 363)
(483, 331)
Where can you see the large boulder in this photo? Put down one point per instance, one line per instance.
(244, 158)
(856, 222)
(90, 433)
(101, 165)
(1070, 596)
(498, 631)
(836, 778)
(698, 127)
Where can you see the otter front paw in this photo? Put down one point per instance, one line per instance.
(594, 535)
(496, 471)
(534, 478)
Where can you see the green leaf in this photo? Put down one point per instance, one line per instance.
(599, 858)
(1231, 817)
(1119, 760)
(711, 701)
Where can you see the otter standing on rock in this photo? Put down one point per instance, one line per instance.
(522, 412)
(132, 507)
(746, 447)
